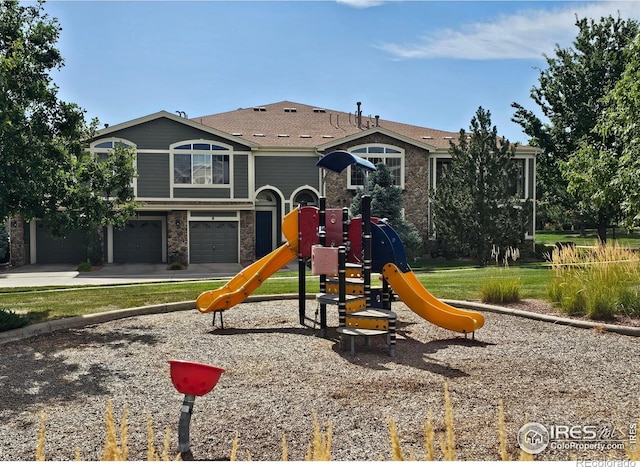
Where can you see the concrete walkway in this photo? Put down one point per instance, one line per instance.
(66, 274)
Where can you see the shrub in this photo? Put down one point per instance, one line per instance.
(176, 266)
(11, 320)
(84, 267)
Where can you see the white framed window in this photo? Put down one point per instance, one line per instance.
(391, 156)
(103, 146)
(201, 163)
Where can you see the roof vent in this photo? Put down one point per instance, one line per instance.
(259, 134)
(282, 135)
(427, 137)
(290, 109)
(327, 136)
(448, 137)
(319, 111)
(305, 136)
(236, 134)
(259, 109)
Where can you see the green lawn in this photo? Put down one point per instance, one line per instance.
(461, 283)
(590, 238)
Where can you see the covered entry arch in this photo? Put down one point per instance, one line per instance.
(267, 220)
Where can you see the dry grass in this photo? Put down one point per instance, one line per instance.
(502, 433)
(396, 450)
(429, 436)
(319, 449)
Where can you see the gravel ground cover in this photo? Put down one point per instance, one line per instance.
(280, 374)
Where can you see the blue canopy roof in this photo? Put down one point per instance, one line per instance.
(337, 161)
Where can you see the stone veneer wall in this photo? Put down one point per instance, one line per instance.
(247, 236)
(416, 182)
(18, 247)
(177, 239)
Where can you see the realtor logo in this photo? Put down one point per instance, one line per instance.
(533, 438)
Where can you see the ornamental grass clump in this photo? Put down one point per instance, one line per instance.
(504, 288)
(598, 283)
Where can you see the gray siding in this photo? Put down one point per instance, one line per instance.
(153, 175)
(201, 192)
(241, 176)
(286, 173)
(162, 132)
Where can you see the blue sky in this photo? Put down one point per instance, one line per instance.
(427, 63)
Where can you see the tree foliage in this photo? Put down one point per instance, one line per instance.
(570, 94)
(46, 172)
(474, 205)
(386, 202)
(620, 127)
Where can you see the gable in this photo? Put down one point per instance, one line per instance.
(160, 133)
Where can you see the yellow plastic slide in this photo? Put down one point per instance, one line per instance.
(250, 278)
(407, 286)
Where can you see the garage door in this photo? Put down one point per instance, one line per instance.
(71, 248)
(140, 241)
(213, 242)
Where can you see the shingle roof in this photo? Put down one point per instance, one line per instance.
(293, 125)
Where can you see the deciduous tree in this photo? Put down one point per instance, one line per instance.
(570, 95)
(46, 172)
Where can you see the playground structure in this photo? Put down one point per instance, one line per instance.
(344, 252)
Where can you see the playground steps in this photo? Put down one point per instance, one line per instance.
(370, 318)
(354, 285)
(353, 302)
(353, 333)
(370, 322)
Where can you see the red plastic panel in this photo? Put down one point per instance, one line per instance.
(334, 227)
(308, 225)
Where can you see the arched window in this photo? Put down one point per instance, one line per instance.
(391, 156)
(201, 163)
(306, 198)
(103, 146)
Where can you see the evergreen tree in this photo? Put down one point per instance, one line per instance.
(386, 203)
(474, 208)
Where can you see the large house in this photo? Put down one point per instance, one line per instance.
(215, 188)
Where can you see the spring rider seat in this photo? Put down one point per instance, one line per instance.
(191, 379)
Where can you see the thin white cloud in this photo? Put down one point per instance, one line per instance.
(527, 34)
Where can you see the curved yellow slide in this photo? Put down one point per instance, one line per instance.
(407, 286)
(250, 278)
